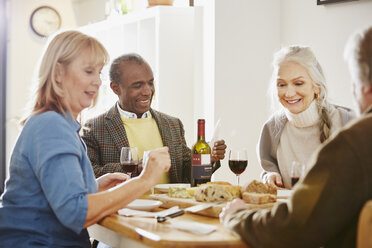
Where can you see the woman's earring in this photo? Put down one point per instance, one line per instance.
(316, 96)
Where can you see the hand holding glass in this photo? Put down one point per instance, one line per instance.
(238, 161)
(129, 159)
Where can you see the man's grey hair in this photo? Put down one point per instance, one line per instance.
(116, 71)
(358, 54)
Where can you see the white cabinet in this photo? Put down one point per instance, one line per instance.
(165, 37)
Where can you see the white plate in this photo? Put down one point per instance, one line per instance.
(284, 193)
(141, 204)
(163, 188)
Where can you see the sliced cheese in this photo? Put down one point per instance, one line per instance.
(191, 191)
(178, 192)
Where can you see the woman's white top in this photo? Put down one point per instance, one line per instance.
(300, 139)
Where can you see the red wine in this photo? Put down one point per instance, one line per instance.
(129, 167)
(238, 166)
(294, 180)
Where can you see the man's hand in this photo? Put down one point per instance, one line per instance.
(218, 151)
(158, 162)
(231, 207)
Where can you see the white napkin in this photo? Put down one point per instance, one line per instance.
(188, 226)
(215, 137)
(192, 226)
(216, 133)
(138, 213)
(284, 193)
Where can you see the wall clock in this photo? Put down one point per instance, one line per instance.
(45, 20)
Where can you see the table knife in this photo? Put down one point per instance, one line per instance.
(192, 209)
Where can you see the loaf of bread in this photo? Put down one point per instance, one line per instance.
(258, 198)
(258, 187)
(220, 183)
(211, 192)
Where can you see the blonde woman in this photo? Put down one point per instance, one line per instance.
(305, 119)
(52, 195)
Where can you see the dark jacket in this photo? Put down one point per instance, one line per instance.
(325, 206)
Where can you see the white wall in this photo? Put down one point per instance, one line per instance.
(24, 49)
(89, 11)
(326, 28)
(247, 33)
(204, 67)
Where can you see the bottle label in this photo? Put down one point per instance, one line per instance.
(201, 166)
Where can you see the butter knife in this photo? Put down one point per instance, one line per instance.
(200, 207)
(192, 209)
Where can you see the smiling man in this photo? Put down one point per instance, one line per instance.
(132, 122)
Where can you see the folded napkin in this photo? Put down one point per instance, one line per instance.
(188, 226)
(138, 213)
(192, 226)
(284, 193)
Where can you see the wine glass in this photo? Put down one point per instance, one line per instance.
(129, 159)
(297, 171)
(238, 161)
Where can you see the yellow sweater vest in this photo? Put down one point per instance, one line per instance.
(145, 135)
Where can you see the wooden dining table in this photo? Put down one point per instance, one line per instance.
(121, 231)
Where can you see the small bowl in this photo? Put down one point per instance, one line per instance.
(146, 205)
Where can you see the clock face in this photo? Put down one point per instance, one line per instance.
(45, 20)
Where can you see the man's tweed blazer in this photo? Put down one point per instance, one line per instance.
(105, 135)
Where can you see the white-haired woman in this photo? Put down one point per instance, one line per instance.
(52, 196)
(305, 120)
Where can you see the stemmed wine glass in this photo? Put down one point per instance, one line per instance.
(297, 171)
(129, 159)
(238, 161)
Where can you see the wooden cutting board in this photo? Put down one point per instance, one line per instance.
(214, 211)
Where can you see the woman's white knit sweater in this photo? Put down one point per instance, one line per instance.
(300, 139)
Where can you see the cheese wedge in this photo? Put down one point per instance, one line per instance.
(178, 192)
(191, 191)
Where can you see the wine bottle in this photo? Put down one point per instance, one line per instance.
(201, 168)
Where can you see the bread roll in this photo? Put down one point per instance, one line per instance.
(258, 198)
(258, 187)
(212, 192)
(220, 183)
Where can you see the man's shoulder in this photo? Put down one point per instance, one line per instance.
(99, 120)
(357, 132)
(351, 145)
(361, 124)
(162, 116)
